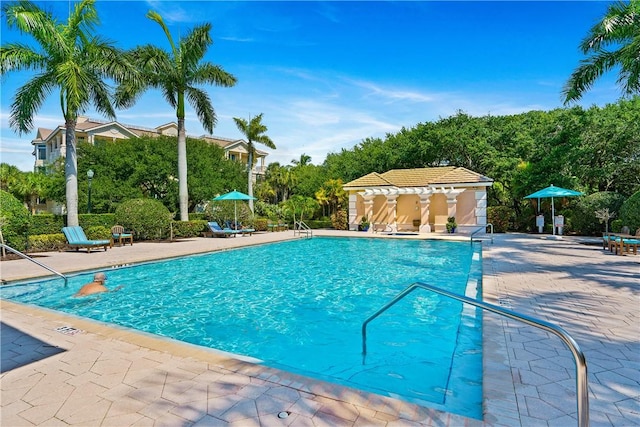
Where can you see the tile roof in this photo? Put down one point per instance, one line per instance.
(419, 177)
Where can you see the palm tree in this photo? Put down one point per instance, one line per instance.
(620, 27)
(69, 58)
(176, 73)
(254, 131)
(305, 159)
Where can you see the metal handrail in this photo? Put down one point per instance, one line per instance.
(582, 395)
(301, 227)
(484, 227)
(17, 252)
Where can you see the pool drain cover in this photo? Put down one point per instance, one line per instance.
(283, 414)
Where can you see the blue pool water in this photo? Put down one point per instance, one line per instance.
(299, 306)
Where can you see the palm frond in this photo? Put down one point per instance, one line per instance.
(194, 45)
(16, 56)
(28, 100)
(201, 103)
(208, 73)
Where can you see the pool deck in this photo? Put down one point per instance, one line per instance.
(111, 376)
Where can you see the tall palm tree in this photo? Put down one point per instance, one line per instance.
(69, 58)
(176, 73)
(254, 131)
(619, 28)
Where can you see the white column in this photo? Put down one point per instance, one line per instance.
(392, 203)
(481, 207)
(368, 210)
(424, 214)
(353, 211)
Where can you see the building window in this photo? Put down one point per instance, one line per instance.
(42, 152)
(232, 156)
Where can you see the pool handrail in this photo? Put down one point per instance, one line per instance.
(27, 257)
(484, 227)
(301, 227)
(582, 395)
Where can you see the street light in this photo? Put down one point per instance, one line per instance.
(89, 176)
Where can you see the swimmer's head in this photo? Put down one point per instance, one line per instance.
(99, 277)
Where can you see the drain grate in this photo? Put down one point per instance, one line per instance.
(68, 330)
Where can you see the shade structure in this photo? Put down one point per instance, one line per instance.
(553, 191)
(235, 196)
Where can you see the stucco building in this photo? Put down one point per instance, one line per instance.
(419, 199)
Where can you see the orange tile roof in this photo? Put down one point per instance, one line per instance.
(419, 177)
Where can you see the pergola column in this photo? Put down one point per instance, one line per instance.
(424, 214)
(392, 219)
(368, 210)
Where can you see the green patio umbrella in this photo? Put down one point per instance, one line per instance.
(235, 196)
(552, 191)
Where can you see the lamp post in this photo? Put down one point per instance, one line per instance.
(90, 177)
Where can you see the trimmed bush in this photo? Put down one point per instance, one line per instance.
(191, 228)
(630, 212)
(47, 242)
(197, 216)
(14, 220)
(46, 224)
(96, 220)
(98, 232)
(260, 224)
(339, 220)
(501, 217)
(148, 219)
(583, 218)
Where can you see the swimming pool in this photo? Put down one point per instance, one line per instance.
(299, 306)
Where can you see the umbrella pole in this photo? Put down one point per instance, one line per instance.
(235, 214)
(553, 217)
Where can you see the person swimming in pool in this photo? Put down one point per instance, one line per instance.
(95, 287)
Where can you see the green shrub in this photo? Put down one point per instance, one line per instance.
(94, 220)
(14, 221)
(197, 216)
(630, 212)
(583, 217)
(260, 224)
(191, 228)
(501, 217)
(316, 224)
(616, 225)
(47, 242)
(147, 218)
(98, 232)
(339, 220)
(46, 224)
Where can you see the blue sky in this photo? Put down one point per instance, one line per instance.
(327, 75)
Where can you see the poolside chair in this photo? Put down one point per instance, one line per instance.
(241, 229)
(77, 239)
(117, 233)
(218, 231)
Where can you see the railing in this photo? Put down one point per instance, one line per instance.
(582, 395)
(300, 227)
(17, 252)
(483, 228)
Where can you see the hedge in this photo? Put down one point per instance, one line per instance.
(191, 228)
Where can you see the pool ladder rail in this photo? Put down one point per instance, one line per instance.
(27, 257)
(582, 395)
(484, 229)
(299, 227)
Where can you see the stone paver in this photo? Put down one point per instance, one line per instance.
(115, 377)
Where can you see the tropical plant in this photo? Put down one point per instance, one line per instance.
(630, 212)
(176, 73)
(451, 224)
(254, 130)
(69, 58)
(620, 28)
(147, 218)
(15, 221)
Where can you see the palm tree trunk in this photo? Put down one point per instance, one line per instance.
(183, 189)
(71, 173)
(250, 177)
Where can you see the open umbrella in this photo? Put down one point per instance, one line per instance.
(552, 191)
(235, 196)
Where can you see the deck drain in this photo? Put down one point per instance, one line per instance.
(67, 330)
(284, 414)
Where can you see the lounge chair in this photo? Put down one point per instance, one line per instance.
(117, 233)
(221, 232)
(77, 239)
(231, 225)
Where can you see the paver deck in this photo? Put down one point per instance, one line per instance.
(107, 375)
